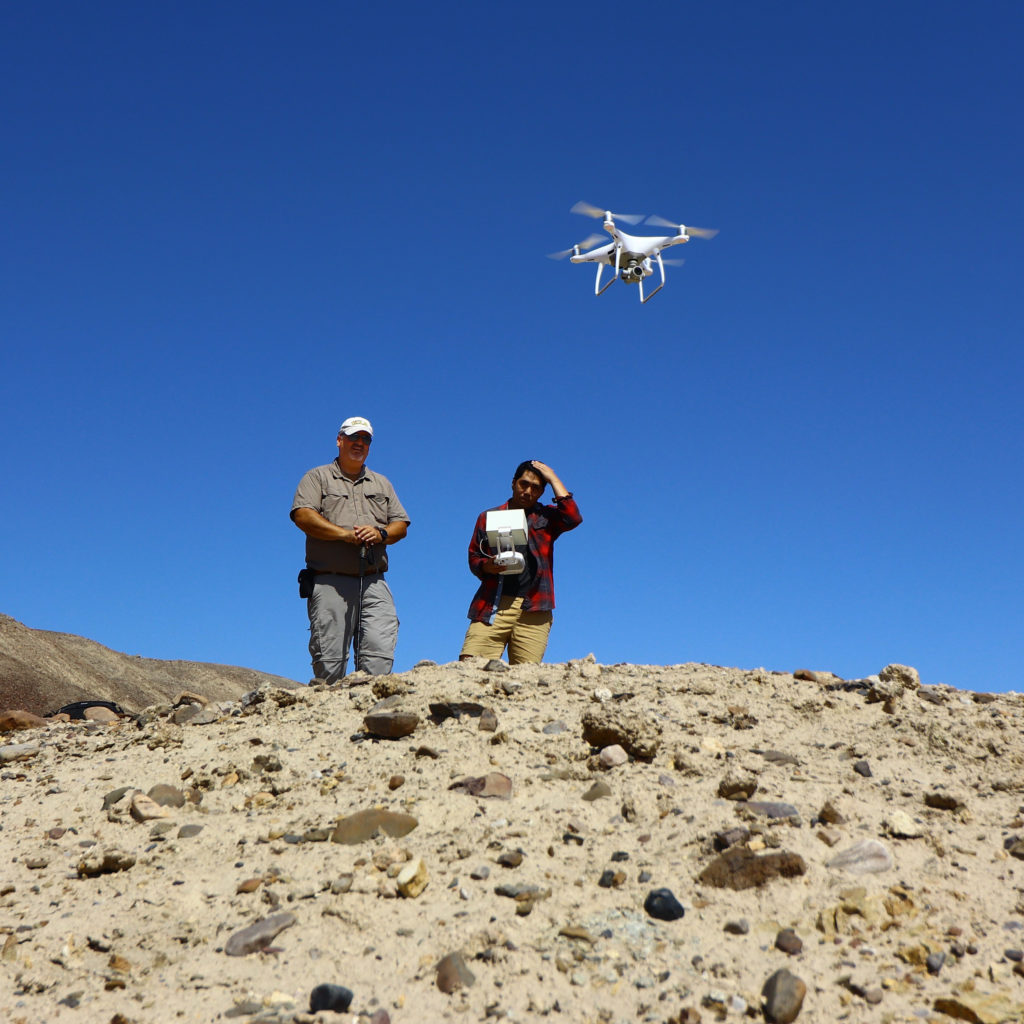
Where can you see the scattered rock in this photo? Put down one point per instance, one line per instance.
(452, 974)
(413, 878)
(904, 675)
(783, 996)
(15, 721)
(981, 1007)
(391, 725)
(686, 1016)
(778, 757)
(166, 796)
(115, 796)
(789, 942)
(662, 905)
(738, 868)
(604, 726)
(258, 935)
(363, 825)
(18, 752)
(142, 808)
(730, 837)
(105, 863)
(98, 713)
(613, 756)
(900, 825)
(944, 801)
(440, 711)
(830, 815)
(598, 790)
(330, 997)
(737, 787)
(769, 808)
(868, 856)
(493, 784)
(188, 697)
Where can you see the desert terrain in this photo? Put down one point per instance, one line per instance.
(473, 842)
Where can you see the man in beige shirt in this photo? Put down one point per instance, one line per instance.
(349, 515)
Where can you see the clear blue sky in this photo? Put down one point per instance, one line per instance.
(227, 226)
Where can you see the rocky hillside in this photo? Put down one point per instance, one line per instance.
(574, 842)
(41, 671)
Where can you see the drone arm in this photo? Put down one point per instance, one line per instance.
(661, 267)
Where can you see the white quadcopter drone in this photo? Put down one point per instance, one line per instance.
(631, 257)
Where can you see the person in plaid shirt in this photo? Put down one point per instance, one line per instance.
(515, 611)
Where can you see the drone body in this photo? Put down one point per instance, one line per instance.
(631, 257)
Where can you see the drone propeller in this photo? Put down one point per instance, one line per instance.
(691, 231)
(672, 263)
(587, 242)
(592, 211)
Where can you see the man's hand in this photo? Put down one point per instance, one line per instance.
(366, 535)
(551, 477)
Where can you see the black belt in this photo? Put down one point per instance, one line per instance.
(354, 575)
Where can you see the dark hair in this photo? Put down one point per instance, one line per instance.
(528, 467)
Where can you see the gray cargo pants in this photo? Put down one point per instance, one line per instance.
(336, 610)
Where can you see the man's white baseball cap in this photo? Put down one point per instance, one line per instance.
(356, 425)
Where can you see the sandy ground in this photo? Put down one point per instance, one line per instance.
(104, 917)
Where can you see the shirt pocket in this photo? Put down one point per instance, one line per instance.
(336, 506)
(378, 506)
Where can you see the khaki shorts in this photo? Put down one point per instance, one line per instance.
(524, 633)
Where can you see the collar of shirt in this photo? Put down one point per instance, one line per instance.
(339, 472)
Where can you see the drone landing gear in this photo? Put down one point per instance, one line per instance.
(661, 267)
(598, 290)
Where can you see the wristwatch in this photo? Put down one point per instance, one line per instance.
(383, 534)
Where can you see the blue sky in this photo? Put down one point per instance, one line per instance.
(228, 226)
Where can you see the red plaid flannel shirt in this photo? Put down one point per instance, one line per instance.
(546, 523)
